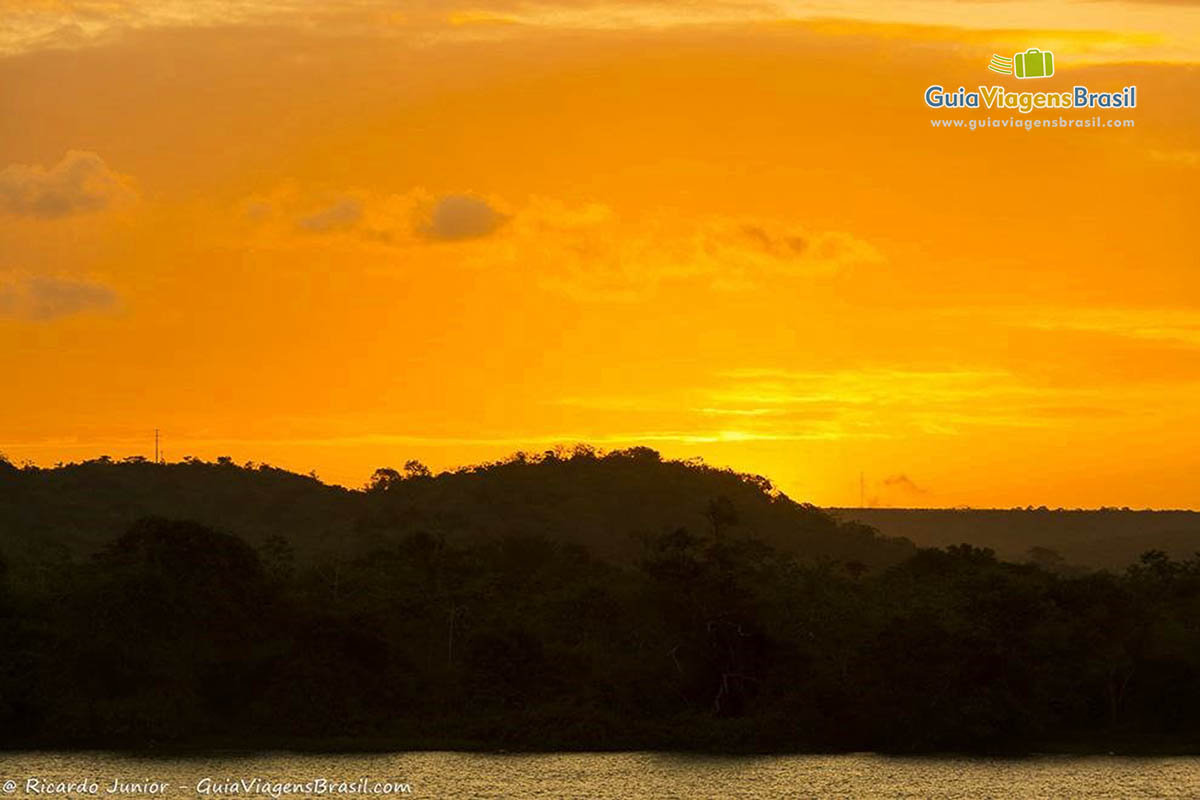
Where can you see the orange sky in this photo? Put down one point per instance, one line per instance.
(335, 240)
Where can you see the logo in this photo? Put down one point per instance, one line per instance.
(1033, 63)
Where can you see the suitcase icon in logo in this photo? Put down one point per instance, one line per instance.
(1033, 63)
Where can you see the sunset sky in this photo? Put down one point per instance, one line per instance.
(338, 236)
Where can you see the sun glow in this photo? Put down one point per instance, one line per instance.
(723, 230)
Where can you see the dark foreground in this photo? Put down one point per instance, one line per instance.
(174, 636)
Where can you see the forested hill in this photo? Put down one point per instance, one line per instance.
(605, 503)
(1102, 538)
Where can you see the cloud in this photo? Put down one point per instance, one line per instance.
(256, 209)
(1176, 326)
(591, 253)
(759, 247)
(40, 298)
(81, 182)
(460, 216)
(881, 402)
(1167, 25)
(904, 484)
(585, 251)
(1178, 158)
(341, 216)
(860, 404)
(412, 218)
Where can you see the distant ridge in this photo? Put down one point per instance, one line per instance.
(1109, 538)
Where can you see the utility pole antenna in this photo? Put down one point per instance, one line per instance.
(156, 459)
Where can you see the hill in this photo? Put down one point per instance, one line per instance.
(605, 503)
(1102, 538)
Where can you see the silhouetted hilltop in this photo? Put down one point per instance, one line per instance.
(606, 503)
(74, 509)
(609, 502)
(1101, 538)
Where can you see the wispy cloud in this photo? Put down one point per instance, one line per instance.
(1188, 159)
(880, 402)
(342, 215)
(41, 298)
(1179, 326)
(592, 253)
(868, 403)
(1115, 30)
(904, 484)
(79, 183)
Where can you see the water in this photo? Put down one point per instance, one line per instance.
(630, 776)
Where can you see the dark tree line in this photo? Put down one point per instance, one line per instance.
(176, 635)
(578, 495)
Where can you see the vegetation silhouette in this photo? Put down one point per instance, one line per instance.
(575, 600)
(603, 501)
(1109, 538)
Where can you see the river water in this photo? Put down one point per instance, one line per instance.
(632, 776)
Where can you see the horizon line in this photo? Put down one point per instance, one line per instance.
(597, 453)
